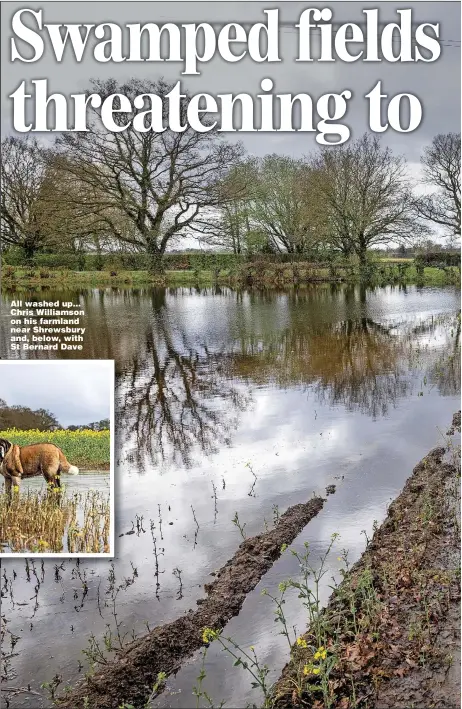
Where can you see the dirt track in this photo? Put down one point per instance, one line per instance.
(406, 652)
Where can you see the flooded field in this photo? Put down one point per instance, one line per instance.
(231, 407)
(74, 518)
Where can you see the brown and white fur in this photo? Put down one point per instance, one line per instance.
(19, 462)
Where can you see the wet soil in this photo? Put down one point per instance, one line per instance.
(132, 675)
(405, 648)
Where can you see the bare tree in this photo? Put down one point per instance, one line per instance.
(77, 213)
(283, 205)
(162, 182)
(365, 195)
(229, 224)
(23, 211)
(441, 167)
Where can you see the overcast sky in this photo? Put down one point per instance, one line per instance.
(75, 391)
(436, 84)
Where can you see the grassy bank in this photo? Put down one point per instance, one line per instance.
(268, 275)
(86, 449)
(50, 520)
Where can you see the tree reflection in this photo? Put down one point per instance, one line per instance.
(445, 373)
(355, 363)
(173, 398)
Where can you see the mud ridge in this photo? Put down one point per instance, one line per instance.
(131, 676)
(406, 651)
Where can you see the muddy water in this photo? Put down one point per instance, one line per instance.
(235, 402)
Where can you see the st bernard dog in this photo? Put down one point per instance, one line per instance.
(17, 463)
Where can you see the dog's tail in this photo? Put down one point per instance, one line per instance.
(65, 466)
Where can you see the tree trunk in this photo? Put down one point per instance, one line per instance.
(156, 263)
(29, 250)
(362, 255)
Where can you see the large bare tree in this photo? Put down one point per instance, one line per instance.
(23, 210)
(366, 197)
(162, 182)
(441, 167)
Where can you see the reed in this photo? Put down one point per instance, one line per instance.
(50, 520)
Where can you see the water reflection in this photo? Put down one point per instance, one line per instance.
(187, 359)
(172, 395)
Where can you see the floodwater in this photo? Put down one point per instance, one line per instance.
(86, 480)
(235, 402)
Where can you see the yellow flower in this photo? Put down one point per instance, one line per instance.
(208, 634)
(15, 488)
(301, 642)
(311, 670)
(252, 648)
(321, 654)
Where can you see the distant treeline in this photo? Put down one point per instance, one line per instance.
(25, 419)
(135, 194)
(102, 425)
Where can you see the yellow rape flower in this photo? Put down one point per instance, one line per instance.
(321, 654)
(301, 642)
(311, 670)
(208, 635)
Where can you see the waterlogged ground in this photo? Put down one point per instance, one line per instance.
(235, 403)
(89, 485)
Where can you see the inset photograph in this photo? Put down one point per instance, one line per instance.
(56, 458)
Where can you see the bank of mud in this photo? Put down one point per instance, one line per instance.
(392, 627)
(131, 676)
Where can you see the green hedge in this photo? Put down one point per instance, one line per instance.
(196, 261)
(139, 262)
(438, 259)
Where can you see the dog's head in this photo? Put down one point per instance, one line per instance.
(4, 448)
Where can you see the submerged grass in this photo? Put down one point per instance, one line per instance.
(50, 520)
(90, 449)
